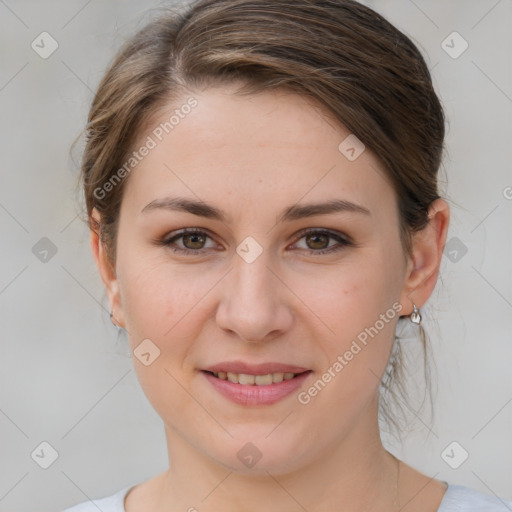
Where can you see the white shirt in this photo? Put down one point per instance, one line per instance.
(457, 498)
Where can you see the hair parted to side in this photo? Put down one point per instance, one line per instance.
(367, 75)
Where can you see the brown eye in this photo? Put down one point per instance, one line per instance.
(318, 241)
(189, 241)
(194, 241)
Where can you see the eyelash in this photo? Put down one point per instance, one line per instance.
(342, 241)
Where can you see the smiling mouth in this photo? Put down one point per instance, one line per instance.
(255, 380)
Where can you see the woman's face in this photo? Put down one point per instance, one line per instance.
(253, 292)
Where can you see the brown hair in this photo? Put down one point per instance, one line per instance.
(367, 74)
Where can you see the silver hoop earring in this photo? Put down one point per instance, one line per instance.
(415, 316)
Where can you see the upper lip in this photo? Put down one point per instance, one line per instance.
(254, 369)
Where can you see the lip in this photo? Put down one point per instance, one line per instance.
(251, 395)
(254, 369)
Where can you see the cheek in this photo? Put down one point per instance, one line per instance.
(161, 305)
(159, 299)
(350, 297)
(359, 305)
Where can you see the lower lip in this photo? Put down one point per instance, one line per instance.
(256, 395)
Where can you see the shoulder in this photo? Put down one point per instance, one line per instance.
(459, 498)
(114, 503)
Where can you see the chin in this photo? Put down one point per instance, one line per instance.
(253, 452)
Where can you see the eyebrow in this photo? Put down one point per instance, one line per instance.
(294, 212)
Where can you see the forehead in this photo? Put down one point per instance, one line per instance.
(266, 146)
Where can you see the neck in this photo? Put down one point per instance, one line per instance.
(354, 473)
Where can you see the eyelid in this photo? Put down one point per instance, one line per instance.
(342, 241)
(176, 235)
(331, 232)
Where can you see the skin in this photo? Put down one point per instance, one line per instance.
(253, 157)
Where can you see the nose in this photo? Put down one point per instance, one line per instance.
(253, 302)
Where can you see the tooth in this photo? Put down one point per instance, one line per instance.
(258, 380)
(263, 380)
(277, 377)
(233, 377)
(246, 379)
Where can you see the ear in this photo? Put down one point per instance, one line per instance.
(427, 252)
(107, 272)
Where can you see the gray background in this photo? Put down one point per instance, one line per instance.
(66, 377)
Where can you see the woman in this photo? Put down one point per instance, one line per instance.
(261, 187)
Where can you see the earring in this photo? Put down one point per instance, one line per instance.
(112, 320)
(415, 316)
